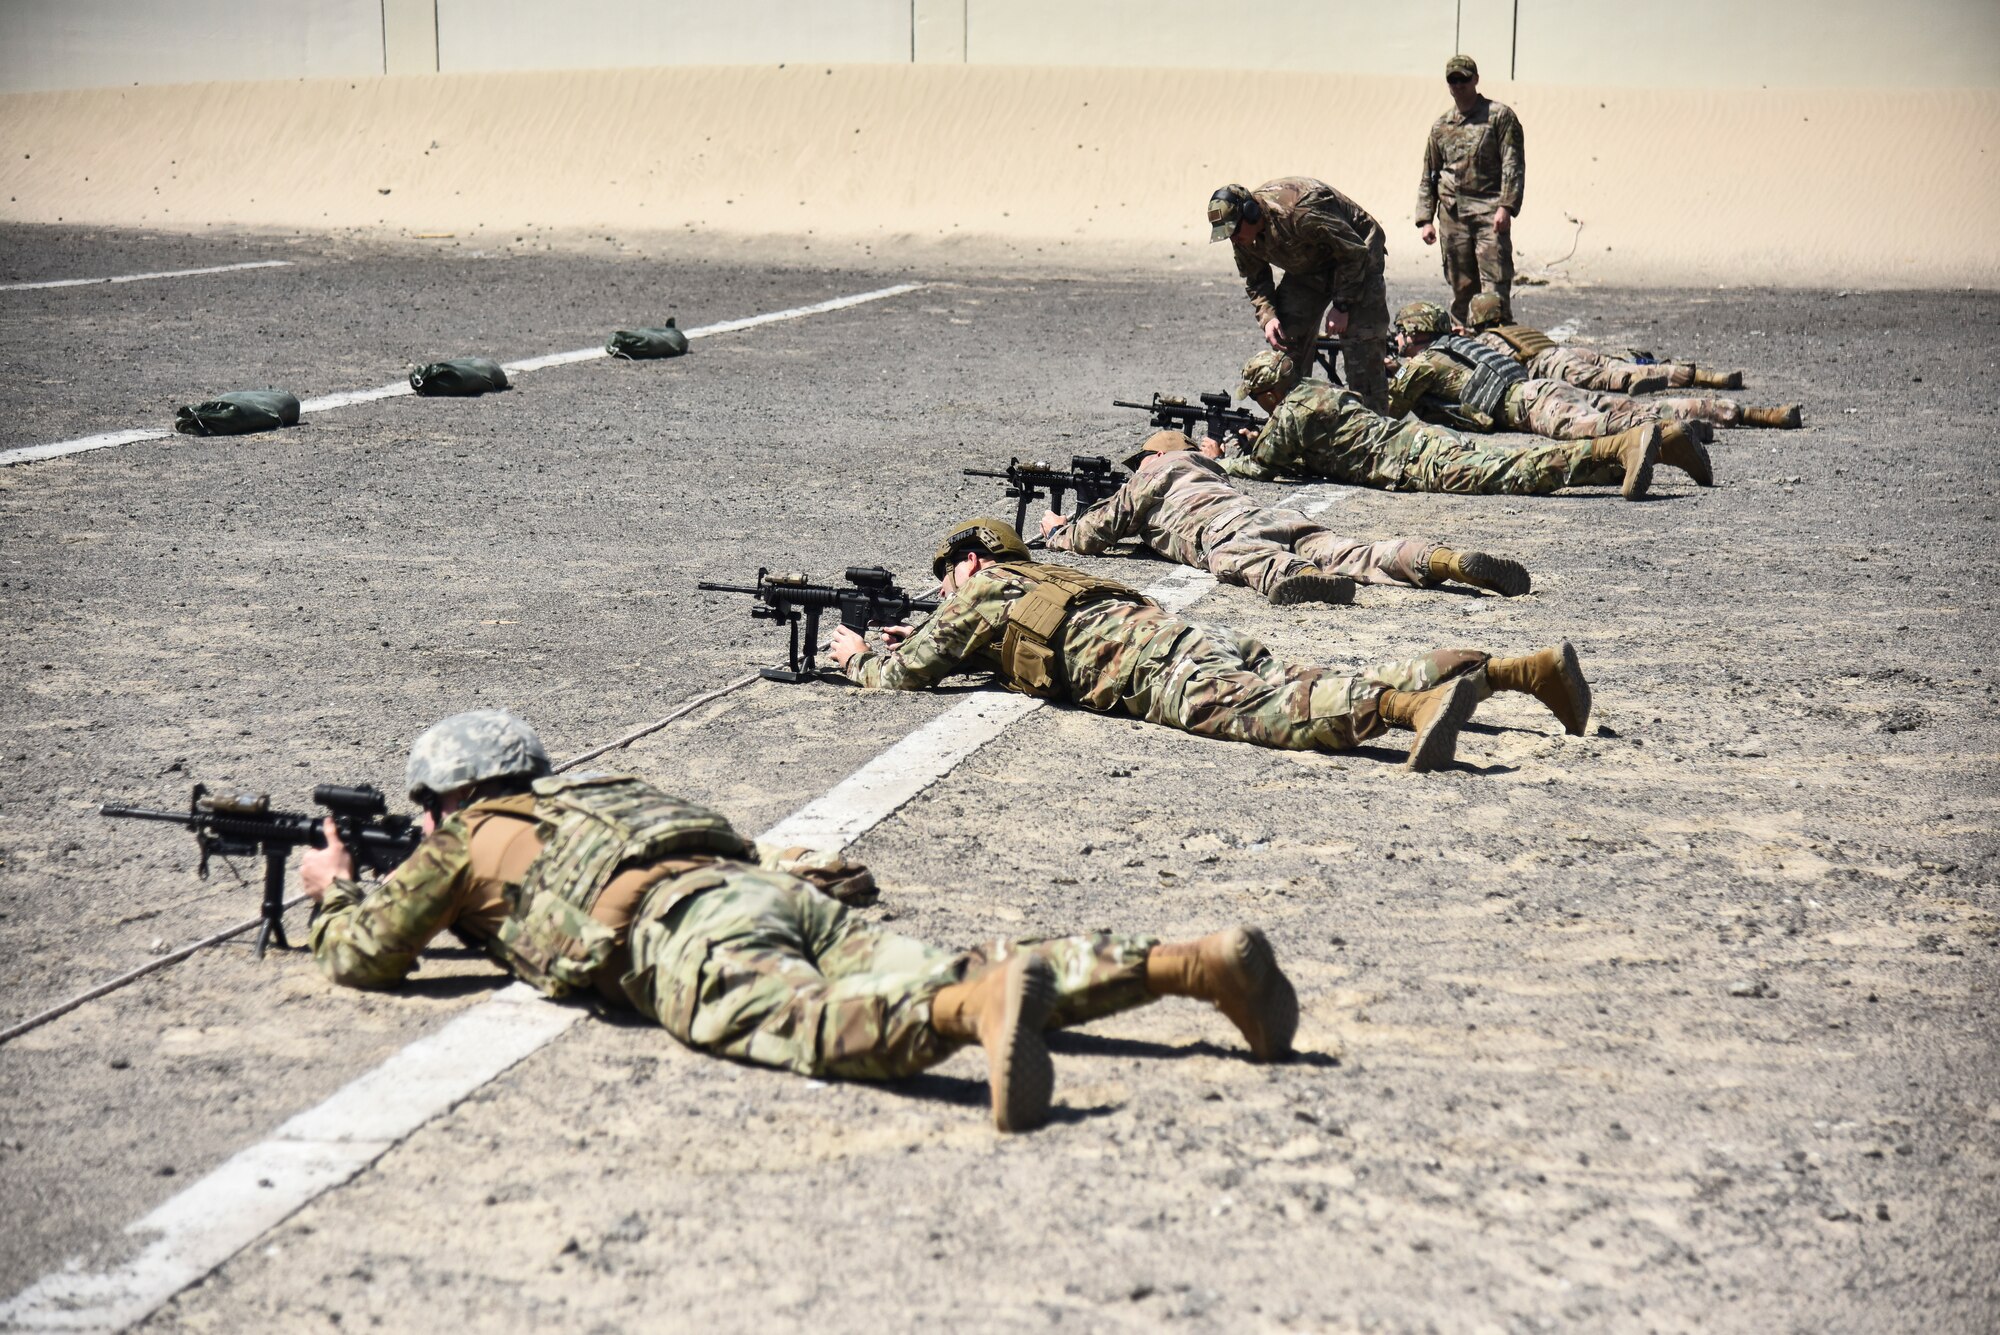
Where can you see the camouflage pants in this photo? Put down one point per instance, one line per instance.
(1587, 368)
(1564, 412)
(1301, 301)
(1477, 257)
(1274, 545)
(760, 967)
(1439, 460)
(1215, 682)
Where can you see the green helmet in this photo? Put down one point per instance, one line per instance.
(1267, 370)
(471, 748)
(1483, 310)
(994, 538)
(1423, 317)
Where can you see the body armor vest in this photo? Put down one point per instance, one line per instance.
(592, 826)
(1031, 646)
(1527, 343)
(1493, 372)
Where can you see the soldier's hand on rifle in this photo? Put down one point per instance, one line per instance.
(1429, 233)
(845, 645)
(1211, 447)
(1051, 521)
(895, 635)
(1271, 335)
(321, 867)
(1336, 322)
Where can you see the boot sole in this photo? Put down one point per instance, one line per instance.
(1272, 1019)
(1640, 477)
(1579, 690)
(1679, 449)
(1313, 589)
(1019, 1073)
(1507, 578)
(1437, 744)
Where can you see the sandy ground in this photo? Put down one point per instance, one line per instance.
(1529, 1096)
(1635, 186)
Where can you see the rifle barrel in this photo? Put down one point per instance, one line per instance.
(144, 813)
(728, 588)
(986, 472)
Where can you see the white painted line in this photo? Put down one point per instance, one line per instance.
(324, 1146)
(142, 277)
(349, 397)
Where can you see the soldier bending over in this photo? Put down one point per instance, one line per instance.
(1182, 505)
(1055, 632)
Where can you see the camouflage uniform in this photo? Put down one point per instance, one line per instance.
(740, 960)
(1319, 430)
(1433, 386)
(1473, 165)
(1186, 510)
(1130, 656)
(1545, 359)
(1332, 252)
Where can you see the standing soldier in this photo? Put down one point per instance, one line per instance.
(1319, 430)
(1471, 186)
(1332, 253)
(603, 883)
(1056, 632)
(1182, 505)
(1586, 368)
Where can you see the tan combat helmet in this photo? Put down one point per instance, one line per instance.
(1229, 206)
(1160, 442)
(1267, 370)
(1483, 311)
(1423, 317)
(992, 538)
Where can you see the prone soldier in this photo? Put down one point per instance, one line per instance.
(1319, 430)
(1056, 632)
(603, 883)
(1545, 359)
(1181, 504)
(1332, 253)
(1470, 191)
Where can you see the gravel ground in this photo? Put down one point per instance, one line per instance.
(1686, 1024)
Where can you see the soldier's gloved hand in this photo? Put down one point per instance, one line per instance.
(845, 645)
(1272, 336)
(1429, 233)
(321, 867)
(1051, 521)
(1336, 322)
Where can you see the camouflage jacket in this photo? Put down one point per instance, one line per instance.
(1105, 644)
(1320, 430)
(1472, 159)
(1432, 385)
(1177, 508)
(1313, 231)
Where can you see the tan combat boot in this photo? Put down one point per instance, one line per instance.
(1637, 451)
(1310, 586)
(1435, 716)
(1553, 676)
(1004, 1009)
(1785, 417)
(1237, 972)
(1717, 379)
(1680, 448)
(1507, 578)
(1649, 384)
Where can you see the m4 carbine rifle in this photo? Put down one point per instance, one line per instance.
(1214, 415)
(233, 825)
(871, 598)
(1090, 476)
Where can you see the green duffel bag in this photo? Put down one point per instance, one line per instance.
(239, 413)
(637, 344)
(461, 377)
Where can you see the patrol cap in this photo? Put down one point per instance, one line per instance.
(1423, 317)
(470, 748)
(994, 538)
(1160, 442)
(1465, 65)
(1483, 310)
(1229, 206)
(1267, 370)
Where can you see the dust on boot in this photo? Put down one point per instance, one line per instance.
(1784, 417)
(1237, 972)
(1636, 451)
(1004, 1009)
(1554, 676)
(1312, 586)
(1435, 716)
(1482, 570)
(1680, 448)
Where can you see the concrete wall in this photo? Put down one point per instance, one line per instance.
(54, 44)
